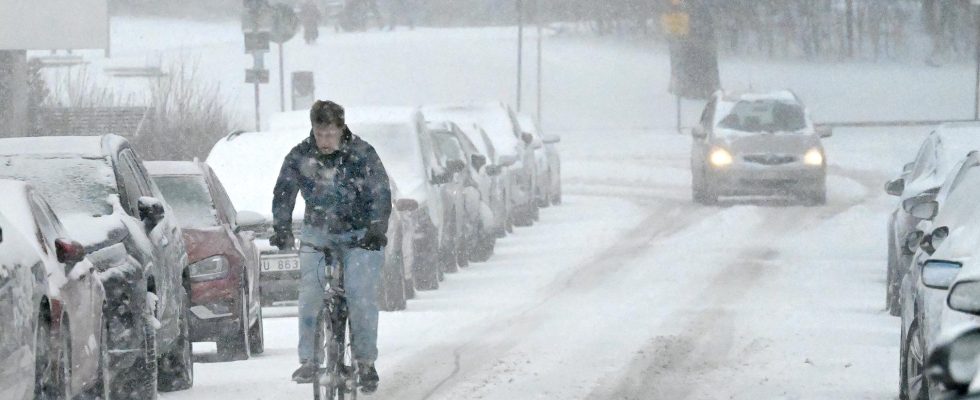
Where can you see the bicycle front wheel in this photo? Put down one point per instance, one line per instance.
(336, 377)
(325, 381)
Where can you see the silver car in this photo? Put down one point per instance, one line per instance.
(752, 144)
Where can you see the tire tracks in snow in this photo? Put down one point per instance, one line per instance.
(496, 337)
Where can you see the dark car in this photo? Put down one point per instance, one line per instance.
(226, 298)
(53, 333)
(99, 188)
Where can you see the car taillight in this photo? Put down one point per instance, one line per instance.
(68, 251)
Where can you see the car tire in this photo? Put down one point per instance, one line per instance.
(483, 248)
(463, 246)
(176, 367)
(522, 217)
(256, 333)
(393, 288)
(426, 268)
(139, 381)
(409, 289)
(891, 285)
(545, 200)
(100, 389)
(913, 364)
(556, 197)
(52, 368)
(236, 345)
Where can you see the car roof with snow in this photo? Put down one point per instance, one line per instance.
(783, 95)
(493, 117)
(55, 146)
(158, 168)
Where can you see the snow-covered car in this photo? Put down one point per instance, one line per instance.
(918, 183)
(751, 144)
(951, 244)
(479, 181)
(472, 218)
(53, 337)
(226, 300)
(248, 165)
(403, 142)
(99, 188)
(548, 159)
(500, 124)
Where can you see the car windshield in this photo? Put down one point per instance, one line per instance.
(764, 116)
(72, 185)
(447, 148)
(398, 147)
(190, 199)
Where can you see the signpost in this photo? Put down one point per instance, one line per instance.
(285, 24)
(255, 27)
(976, 85)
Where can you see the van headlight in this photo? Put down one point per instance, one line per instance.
(720, 157)
(209, 268)
(813, 157)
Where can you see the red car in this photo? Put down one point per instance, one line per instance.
(224, 262)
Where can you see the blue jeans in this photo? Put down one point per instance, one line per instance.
(362, 281)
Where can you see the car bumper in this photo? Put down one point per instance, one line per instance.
(214, 308)
(766, 181)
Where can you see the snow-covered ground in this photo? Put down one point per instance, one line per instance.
(628, 290)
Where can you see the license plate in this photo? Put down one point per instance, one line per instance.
(280, 264)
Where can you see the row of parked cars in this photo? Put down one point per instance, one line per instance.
(462, 176)
(933, 276)
(111, 267)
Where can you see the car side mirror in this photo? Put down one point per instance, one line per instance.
(506, 161)
(151, 210)
(912, 241)
(537, 145)
(699, 133)
(964, 296)
(953, 360)
(406, 205)
(908, 167)
(250, 221)
(551, 139)
(527, 138)
(824, 131)
(937, 274)
(926, 210)
(895, 187)
(1, 235)
(455, 166)
(910, 203)
(931, 242)
(69, 251)
(439, 178)
(478, 161)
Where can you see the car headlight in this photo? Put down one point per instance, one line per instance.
(209, 268)
(813, 157)
(720, 157)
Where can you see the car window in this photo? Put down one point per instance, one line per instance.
(447, 148)
(46, 230)
(764, 116)
(138, 173)
(129, 193)
(72, 184)
(190, 199)
(226, 209)
(464, 141)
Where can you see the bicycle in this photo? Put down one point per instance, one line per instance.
(336, 375)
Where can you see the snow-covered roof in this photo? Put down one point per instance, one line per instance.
(157, 168)
(493, 117)
(779, 95)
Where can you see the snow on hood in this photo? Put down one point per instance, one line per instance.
(94, 232)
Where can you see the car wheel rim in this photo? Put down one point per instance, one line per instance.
(914, 366)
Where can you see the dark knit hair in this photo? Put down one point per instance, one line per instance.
(327, 112)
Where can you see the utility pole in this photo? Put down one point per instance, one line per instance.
(520, 50)
(976, 86)
(282, 83)
(537, 17)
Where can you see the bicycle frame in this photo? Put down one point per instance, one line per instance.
(336, 375)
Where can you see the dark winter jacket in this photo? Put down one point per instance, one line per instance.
(344, 191)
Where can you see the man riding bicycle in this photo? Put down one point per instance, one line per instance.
(348, 200)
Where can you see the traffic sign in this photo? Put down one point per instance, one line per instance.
(256, 76)
(257, 42)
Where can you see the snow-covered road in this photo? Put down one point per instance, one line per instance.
(628, 290)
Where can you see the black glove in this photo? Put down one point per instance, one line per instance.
(374, 239)
(283, 240)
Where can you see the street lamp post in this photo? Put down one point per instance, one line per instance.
(520, 50)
